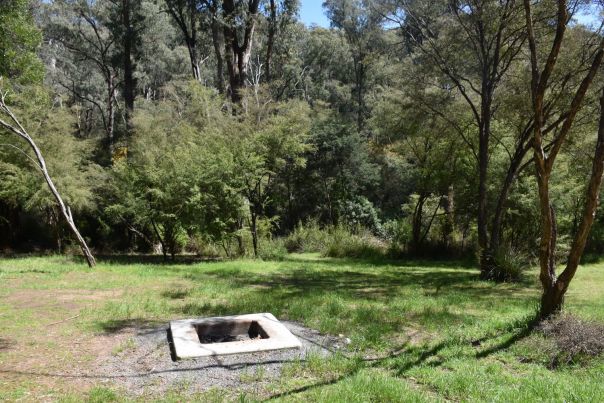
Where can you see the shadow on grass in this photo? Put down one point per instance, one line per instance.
(408, 357)
(114, 326)
(153, 259)
(399, 360)
(6, 344)
(368, 282)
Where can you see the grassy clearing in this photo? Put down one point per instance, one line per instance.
(420, 331)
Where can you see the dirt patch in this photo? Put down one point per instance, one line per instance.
(146, 367)
(6, 344)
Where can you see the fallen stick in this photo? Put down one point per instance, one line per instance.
(64, 320)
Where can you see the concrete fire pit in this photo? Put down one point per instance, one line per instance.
(225, 335)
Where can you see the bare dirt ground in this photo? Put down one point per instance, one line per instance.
(55, 357)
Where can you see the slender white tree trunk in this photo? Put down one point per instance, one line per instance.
(14, 126)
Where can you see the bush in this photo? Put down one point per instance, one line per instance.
(272, 249)
(508, 264)
(360, 213)
(309, 237)
(576, 341)
(342, 243)
(203, 247)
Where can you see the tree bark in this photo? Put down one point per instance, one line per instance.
(217, 42)
(270, 41)
(554, 288)
(164, 250)
(513, 170)
(254, 229)
(184, 13)
(416, 227)
(128, 44)
(553, 297)
(237, 55)
(20, 131)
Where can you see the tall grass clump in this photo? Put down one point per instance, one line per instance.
(309, 237)
(344, 243)
(272, 249)
(508, 265)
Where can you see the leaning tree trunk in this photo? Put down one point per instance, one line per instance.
(20, 131)
(553, 296)
(554, 287)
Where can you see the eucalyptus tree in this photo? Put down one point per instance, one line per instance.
(361, 26)
(473, 44)
(126, 21)
(85, 50)
(280, 17)
(187, 16)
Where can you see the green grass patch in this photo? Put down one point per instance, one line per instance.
(419, 330)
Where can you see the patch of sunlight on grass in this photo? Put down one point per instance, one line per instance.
(420, 330)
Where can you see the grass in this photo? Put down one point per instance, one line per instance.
(420, 331)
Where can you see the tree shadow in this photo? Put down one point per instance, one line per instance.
(125, 259)
(6, 344)
(115, 326)
(517, 330)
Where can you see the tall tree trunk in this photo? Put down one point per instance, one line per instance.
(237, 55)
(254, 230)
(20, 131)
(194, 58)
(217, 42)
(185, 14)
(110, 111)
(129, 83)
(483, 164)
(555, 289)
(416, 226)
(450, 217)
(164, 249)
(270, 41)
(510, 177)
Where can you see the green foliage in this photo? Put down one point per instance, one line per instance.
(19, 41)
(307, 237)
(509, 264)
(343, 243)
(360, 213)
(272, 249)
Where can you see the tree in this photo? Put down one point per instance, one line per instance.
(239, 23)
(19, 40)
(362, 29)
(274, 141)
(186, 15)
(555, 287)
(81, 28)
(10, 123)
(126, 23)
(493, 32)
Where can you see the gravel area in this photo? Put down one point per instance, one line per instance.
(145, 365)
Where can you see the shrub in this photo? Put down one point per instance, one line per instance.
(200, 246)
(309, 237)
(360, 213)
(272, 249)
(508, 264)
(576, 341)
(342, 243)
